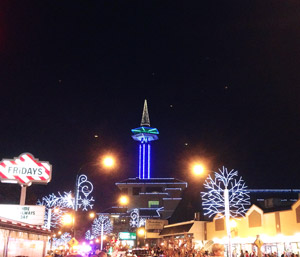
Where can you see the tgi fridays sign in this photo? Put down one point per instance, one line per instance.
(25, 170)
(31, 214)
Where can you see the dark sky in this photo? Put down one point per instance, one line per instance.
(221, 76)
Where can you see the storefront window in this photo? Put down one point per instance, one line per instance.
(219, 224)
(24, 247)
(254, 219)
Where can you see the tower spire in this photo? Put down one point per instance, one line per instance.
(145, 134)
(145, 117)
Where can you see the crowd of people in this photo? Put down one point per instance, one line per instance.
(183, 251)
(217, 250)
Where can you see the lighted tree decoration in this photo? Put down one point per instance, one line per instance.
(63, 240)
(226, 196)
(61, 203)
(101, 226)
(136, 220)
(88, 235)
(66, 201)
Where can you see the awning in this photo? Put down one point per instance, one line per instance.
(20, 226)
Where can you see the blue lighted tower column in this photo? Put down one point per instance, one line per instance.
(145, 134)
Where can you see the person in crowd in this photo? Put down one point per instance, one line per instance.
(234, 253)
(242, 254)
(102, 254)
(217, 250)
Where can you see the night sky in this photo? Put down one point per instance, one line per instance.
(221, 79)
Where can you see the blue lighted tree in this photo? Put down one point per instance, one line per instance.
(227, 196)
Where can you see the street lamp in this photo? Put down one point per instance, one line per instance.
(124, 200)
(108, 161)
(141, 232)
(68, 219)
(197, 168)
(83, 189)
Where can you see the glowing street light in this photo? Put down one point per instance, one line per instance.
(141, 232)
(92, 215)
(124, 200)
(108, 162)
(67, 219)
(198, 169)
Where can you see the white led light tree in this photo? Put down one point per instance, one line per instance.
(55, 207)
(101, 226)
(63, 240)
(226, 195)
(88, 235)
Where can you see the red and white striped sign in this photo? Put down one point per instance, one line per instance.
(25, 170)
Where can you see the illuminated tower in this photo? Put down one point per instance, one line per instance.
(145, 134)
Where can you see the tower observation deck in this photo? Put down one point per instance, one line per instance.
(145, 134)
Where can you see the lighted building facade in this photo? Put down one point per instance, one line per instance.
(161, 195)
(279, 230)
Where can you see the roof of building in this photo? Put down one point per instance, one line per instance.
(275, 208)
(190, 204)
(152, 181)
(115, 210)
(149, 212)
(177, 229)
(124, 212)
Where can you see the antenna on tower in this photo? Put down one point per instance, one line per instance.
(145, 117)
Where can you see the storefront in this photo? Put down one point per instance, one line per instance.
(279, 231)
(22, 239)
(127, 239)
(191, 232)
